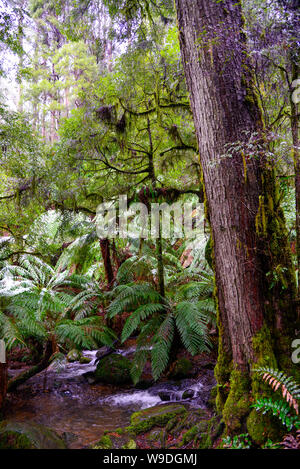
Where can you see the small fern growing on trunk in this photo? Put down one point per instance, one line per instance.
(285, 409)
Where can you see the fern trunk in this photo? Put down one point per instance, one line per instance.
(105, 251)
(160, 263)
(42, 365)
(254, 274)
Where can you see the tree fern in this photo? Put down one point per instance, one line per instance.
(11, 332)
(88, 299)
(156, 318)
(136, 267)
(40, 304)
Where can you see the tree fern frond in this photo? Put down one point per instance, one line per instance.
(10, 332)
(135, 267)
(129, 297)
(85, 333)
(192, 325)
(140, 314)
(195, 290)
(161, 347)
(138, 364)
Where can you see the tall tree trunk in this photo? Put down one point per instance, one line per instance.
(247, 225)
(105, 250)
(296, 154)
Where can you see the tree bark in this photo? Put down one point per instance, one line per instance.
(247, 225)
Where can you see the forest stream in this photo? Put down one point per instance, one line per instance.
(64, 401)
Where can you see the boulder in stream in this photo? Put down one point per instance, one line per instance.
(188, 394)
(145, 419)
(74, 356)
(113, 369)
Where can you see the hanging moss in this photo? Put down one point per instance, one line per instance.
(252, 99)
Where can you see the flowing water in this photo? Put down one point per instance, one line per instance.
(64, 401)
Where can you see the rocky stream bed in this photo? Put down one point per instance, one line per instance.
(67, 407)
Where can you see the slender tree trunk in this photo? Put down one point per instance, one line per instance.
(248, 230)
(158, 242)
(105, 250)
(3, 382)
(160, 261)
(296, 154)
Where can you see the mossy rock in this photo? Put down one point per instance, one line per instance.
(207, 436)
(84, 360)
(113, 369)
(74, 356)
(153, 426)
(185, 422)
(263, 427)
(181, 369)
(146, 419)
(104, 443)
(21, 435)
(131, 444)
(116, 440)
